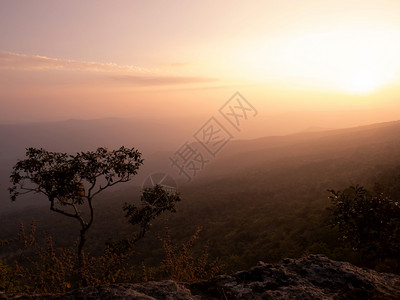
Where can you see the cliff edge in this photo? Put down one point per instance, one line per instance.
(312, 277)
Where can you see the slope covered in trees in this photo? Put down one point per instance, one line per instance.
(260, 199)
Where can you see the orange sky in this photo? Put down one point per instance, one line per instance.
(61, 60)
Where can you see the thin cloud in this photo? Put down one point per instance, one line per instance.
(131, 75)
(161, 80)
(14, 61)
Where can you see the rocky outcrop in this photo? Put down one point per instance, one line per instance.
(312, 277)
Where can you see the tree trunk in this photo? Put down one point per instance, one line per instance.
(81, 257)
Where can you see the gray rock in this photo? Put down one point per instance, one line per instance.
(312, 277)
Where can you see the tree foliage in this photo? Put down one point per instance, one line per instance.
(368, 221)
(71, 181)
(154, 201)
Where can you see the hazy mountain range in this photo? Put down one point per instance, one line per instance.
(158, 140)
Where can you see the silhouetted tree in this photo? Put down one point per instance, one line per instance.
(70, 182)
(154, 201)
(368, 221)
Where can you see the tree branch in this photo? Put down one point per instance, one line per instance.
(89, 195)
(123, 179)
(76, 216)
(91, 212)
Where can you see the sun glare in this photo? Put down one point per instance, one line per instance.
(362, 82)
(353, 61)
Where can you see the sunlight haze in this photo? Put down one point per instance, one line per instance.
(159, 59)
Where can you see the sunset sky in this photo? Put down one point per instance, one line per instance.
(146, 59)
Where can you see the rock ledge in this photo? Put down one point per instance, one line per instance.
(312, 277)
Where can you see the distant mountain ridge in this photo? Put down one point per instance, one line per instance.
(158, 141)
(383, 139)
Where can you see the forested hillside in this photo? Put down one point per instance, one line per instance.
(261, 199)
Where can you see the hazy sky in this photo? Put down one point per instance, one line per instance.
(94, 59)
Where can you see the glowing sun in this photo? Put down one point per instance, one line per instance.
(352, 61)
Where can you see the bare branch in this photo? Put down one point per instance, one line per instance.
(110, 185)
(53, 208)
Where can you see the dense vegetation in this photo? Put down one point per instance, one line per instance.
(369, 223)
(265, 231)
(256, 202)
